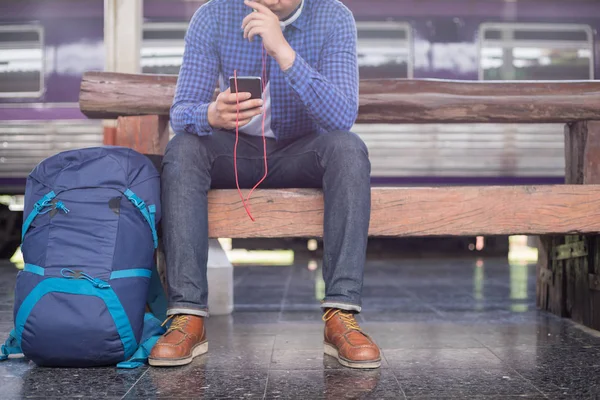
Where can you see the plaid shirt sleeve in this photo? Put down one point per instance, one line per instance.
(330, 94)
(197, 77)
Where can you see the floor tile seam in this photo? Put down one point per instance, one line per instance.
(240, 276)
(266, 386)
(584, 344)
(135, 383)
(256, 368)
(285, 292)
(427, 305)
(269, 367)
(442, 314)
(431, 348)
(366, 319)
(315, 369)
(259, 307)
(526, 381)
(538, 347)
(511, 368)
(490, 396)
(389, 365)
(396, 378)
(545, 346)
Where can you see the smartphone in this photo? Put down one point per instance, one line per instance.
(247, 84)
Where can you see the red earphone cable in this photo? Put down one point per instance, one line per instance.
(264, 115)
(237, 127)
(237, 138)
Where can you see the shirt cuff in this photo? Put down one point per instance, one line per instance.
(298, 75)
(201, 125)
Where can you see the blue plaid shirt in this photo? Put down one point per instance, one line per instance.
(319, 93)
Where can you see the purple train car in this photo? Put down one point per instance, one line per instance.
(45, 46)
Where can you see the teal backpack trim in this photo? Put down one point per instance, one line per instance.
(131, 273)
(147, 211)
(11, 346)
(37, 209)
(157, 301)
(34, 269)
(152, 332)
(70, 274)
(125, 273)
(153, 328)
(81, 287)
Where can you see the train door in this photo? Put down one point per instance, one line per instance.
(21, 78)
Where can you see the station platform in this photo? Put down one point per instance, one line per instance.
(459, 328)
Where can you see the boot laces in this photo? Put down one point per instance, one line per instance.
(179, 322)
(346, 317)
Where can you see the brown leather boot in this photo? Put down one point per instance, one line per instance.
(345, 341)
(184, 340)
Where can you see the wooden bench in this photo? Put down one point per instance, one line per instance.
(569, 266)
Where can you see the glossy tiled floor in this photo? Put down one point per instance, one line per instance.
(448, 329)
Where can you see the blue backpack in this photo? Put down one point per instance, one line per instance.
(88, 242)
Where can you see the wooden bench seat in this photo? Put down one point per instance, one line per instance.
(569, 266)
(443, 211)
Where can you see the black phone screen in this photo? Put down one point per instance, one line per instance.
(247, 84)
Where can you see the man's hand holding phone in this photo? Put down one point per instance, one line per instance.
(222, 112)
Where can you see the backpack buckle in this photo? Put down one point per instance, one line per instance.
(70, 274)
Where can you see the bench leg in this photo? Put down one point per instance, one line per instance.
(220, 280)
(569, 266)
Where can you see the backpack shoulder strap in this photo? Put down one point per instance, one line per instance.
(157, 300)
(147, 211)
(37, 209)
(153, 330)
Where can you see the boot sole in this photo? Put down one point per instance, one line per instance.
(198, 350)
(333, 352)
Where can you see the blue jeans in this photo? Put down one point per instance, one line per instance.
(337, 162)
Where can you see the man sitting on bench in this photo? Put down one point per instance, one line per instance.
(310, 103)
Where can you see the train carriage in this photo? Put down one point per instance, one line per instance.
(46, 46)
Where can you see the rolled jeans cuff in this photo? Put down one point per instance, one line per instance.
(341, 306)
(175, 310)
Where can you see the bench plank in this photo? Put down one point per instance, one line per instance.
(109, 95)
(444, 211)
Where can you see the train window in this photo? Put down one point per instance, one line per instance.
(535, 52)
(162, 47)
(21, 61)
(384, 50)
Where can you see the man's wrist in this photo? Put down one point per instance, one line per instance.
(210, 115)
(286, 57)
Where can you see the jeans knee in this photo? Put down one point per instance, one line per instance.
(347, 150)
(184, 150)
(345, 141)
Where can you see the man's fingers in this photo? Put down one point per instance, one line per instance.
(231, 98)
(244, 115)
(249, 104)
(253, 17)
(257, 6)
(231, 125)
(250, 114)
(252, 25)
(247, 113)
(258, 30)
